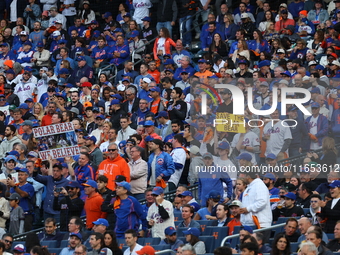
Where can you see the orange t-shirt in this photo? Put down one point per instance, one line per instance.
(156, 75)
(204, 76)
(232, 224)
(154, 106)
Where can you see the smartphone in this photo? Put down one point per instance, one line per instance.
(58, 189)
(10, 176)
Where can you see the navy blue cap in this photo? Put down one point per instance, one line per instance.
(223, 145)
(264, 63)
(40, 44)
(146, 19)
(115, 101)
(192, 231)
(286, 73)
(270, 176)
(162, 114)
(245, 156)
(28, 100)
(243, 61)
(168, 70)
(101, 116)
(64, 71)
(119, 97)
(28, 43)
(271, 156)
(202, 60)
(169, 61)
(81, 58)
(157, 89)
(290, 195)
(169, 231)
(28, 69)
(315, 105)
(73, 184)
(23, 106)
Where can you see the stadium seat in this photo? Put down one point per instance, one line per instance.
(180, 231)
(49, 244)
(64, 243)
(177, 223)
(294, 247)
(217, 232)
(209, 243)
(121, 243)
(178, 216)
(54, 251)
(149, 241)
(306, 210)
(330, 236)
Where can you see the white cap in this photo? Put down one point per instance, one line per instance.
(236, 202)
(229, 71)
(73, 90)
(310, 51)
(284, 82)
(312, 63)
(121, 87)
(336, 62)
(305, 78)
(147, 80)
(283, 5)
(23, 33)
(56, 33)
(280, 51)
(194, 150)
(58, 21)
(244, 15)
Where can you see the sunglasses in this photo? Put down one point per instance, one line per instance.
(148, 57)
(7, 241)
(111, 150)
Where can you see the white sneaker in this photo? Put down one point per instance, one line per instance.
(197, 36)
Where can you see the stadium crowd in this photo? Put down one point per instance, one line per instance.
(134, 94)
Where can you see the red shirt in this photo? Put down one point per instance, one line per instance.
(46, 120)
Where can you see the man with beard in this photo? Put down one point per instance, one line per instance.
(75, 102)
(290, 209)
(11, 139)
(69, 206)
(128, 69)
(177, 108)
(47, 119)
(235, 212)
(82, 70)
(74, 241)
(24, 89)
(37, 35)
(11, 98)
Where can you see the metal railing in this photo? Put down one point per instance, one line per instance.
(166, 251)
(112, 68)
(134, 52)
(191, 17)
(256, 230)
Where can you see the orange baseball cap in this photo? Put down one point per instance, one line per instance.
(87, 104)
(304, 13)
(147, 249)
(8, 63)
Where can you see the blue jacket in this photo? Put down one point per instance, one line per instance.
(335, 123)
(124, 54)
(100, 53)
(322, 129)
(50, 183)
(139, 116)
(207, 38)
(78, 73)
(228, 33)
(263, 46)
(164, 165)
(298, 54)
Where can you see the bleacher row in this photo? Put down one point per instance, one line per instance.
(212, 236)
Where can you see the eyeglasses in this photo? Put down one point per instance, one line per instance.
(8, 241)
(2, 99)
(111, 150)
(148, 57)
(313, 201)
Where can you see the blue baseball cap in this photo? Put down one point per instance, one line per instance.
(115, 101)
(162, 114)
(64, 71)
(28, 43)
(13, 153)
(213, 195)
(107, 14)
(40, 44)
(169, 61)
(125, 79)
(122, 144)
(25, 170)
(156, 89)
(290, 195)
(315, 90)
(286, 73)
(168, 70)
(124, 184)
(315, 105)
(28, 69)
(169, 231)
(134, 33)
(28, 100)
(245, 156)
(146, 19)
(186, 193)
(64, 165)
(101, 221)
(94, 22)
(92, 138)
(81, 58)
(77, 235)
(264, 63)
(202, 60)
(2, 95)
(10, 71)
(223, 145)
(23, 106)
(157, 191)
(90, 183)
(148, 123)
(334, 184)
(119, 97)
(73, 184)
(270, 176)
(192, 231)
(213, 77)
(319, 67)
(100, 115)
(247, 228)
(149, 138)
(126, 15)
(62, 41)
(242, 61)
(271, 156)
(11, 157)
(60, 94)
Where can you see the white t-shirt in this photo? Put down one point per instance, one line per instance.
(250, 139)
(313, 123)
(278, 134)
(161, 45)
(179, 156)
(141, 10)
(137, 248)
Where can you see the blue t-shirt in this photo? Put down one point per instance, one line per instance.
(25, 202)
(202, 212)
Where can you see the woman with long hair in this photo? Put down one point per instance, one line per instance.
(228, 31)
(241, 185)
(268, 17)
(110, 241)
(329, 153)
(132, 27)
(38, 111)
(281, 245)
(136, 45)
(86, 14)
(123, 9)
(318, 15)
(270, 32)
(163, 44)
(192, 237)
(242, 48)
(218, 46)
(295, 180)
(318, 44)
(258, 45)
(323, 60)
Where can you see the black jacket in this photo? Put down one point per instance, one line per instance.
(167, 10)
(125, 106)
(332, 216)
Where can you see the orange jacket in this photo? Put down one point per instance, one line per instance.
(112, 168)
(167, 46)
(93, 209)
